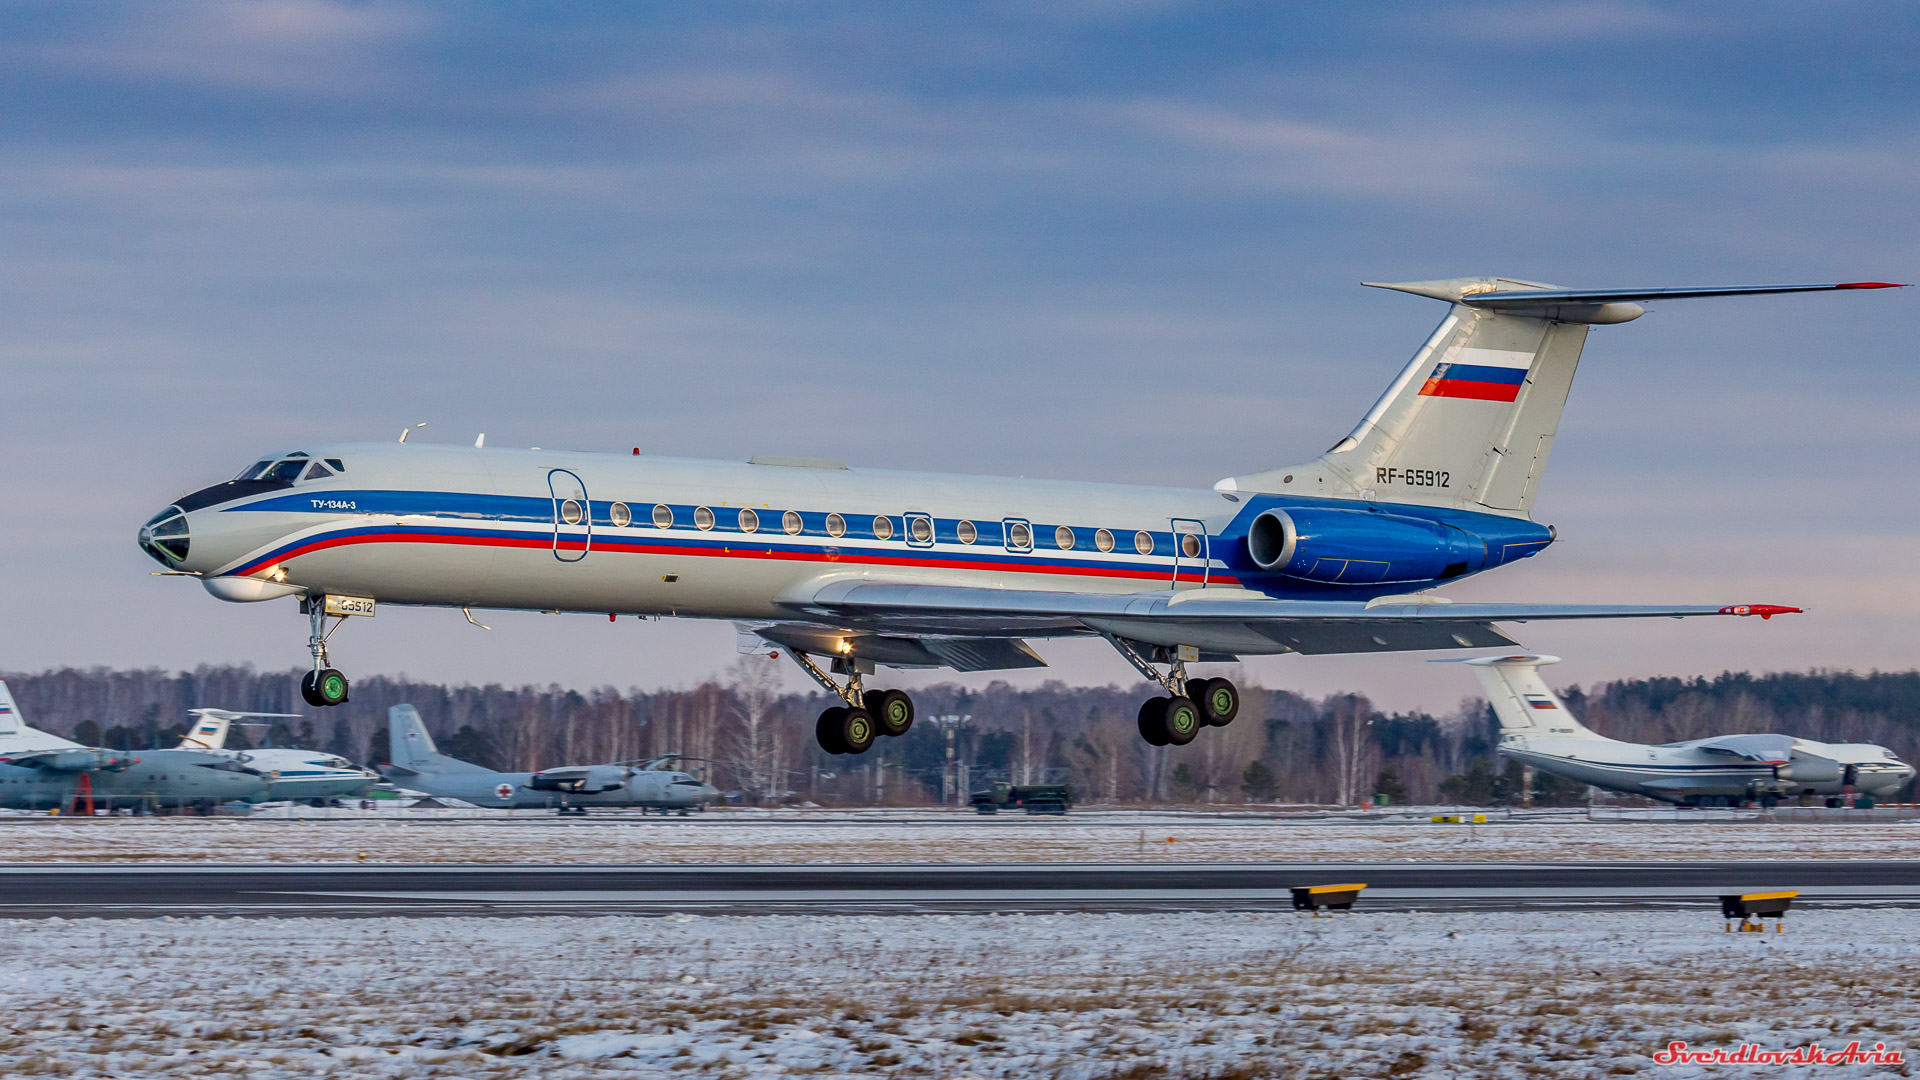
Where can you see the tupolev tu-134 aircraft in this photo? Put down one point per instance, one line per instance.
(1537, 729)
(847, 569)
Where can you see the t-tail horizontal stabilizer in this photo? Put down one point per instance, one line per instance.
(1469, 422)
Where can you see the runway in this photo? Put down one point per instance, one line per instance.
(151, 891)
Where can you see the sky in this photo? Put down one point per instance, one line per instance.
(1113, 240)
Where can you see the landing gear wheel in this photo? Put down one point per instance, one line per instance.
(1153, 725)
(826, 731)
(324, 688)
(857, 730)
(1219, 700)
(892, 710)
(1182, 720)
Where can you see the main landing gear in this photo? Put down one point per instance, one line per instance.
(867, 714)
(324, 685)
(1190, 704)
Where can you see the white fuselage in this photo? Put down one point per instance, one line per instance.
(301, 775)
(1674, 773)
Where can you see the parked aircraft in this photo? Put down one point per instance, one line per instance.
(1536, 729)
(848, 569)
(300, 775)
(39, 771)
(418, 765)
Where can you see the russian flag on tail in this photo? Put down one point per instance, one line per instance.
(1479, 374)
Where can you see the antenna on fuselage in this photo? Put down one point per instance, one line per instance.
(481, 441)
(404, 432)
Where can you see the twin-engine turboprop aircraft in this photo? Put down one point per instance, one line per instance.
(1536, 729)
(847, 569)
(418, 765)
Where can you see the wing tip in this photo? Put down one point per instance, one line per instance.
(1765, 611)
(1872, 285)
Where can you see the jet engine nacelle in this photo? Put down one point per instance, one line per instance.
(1804, 768)
(591, 780)
(81, 761)
(1360, 547)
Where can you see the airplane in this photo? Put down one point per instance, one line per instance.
(299, 775)
(40, 771)
(418, 765)
(848, 569)
(1727, 770)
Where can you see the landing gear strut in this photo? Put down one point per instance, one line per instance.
(1190, 704)
(324, 685)
(867, 714)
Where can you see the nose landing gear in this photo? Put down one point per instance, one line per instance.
(324, 685)
(1190, 704)
(867, 714)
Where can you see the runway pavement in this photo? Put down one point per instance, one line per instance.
(149, 891)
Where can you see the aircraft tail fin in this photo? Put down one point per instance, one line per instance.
(15, 735)
(209, 730)
(10, 722)
(1470, 420)
(412, 748)
(1522, 700)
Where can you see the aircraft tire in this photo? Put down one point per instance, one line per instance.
(1182, 720)
(1219, 700)
(857, 730)
(324, 688)
(892, 710)
(1153, 721)
(826, 731)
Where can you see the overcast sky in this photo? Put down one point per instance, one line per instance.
(1102, 240)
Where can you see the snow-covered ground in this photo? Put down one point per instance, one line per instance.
(945, 838)
(1075, 996)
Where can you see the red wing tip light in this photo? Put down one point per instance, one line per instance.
(1765, 611)
(1870, 285)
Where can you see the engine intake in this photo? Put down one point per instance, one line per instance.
(1360, 547)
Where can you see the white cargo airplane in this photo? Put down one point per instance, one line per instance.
(1536, 729)
(847, 569)
(418, 765)
(42, 771)
(300, 775)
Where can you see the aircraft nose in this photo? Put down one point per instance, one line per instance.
(166, 538)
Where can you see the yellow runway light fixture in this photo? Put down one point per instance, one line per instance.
(1750, 908)
(1332, 897)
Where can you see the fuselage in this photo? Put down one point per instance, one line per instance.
(627, 534)
(301, 775)
(158, 780)
(1678, 773)
(656, 789)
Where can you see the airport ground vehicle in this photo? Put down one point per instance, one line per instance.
(1033, 798)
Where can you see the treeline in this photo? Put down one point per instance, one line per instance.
(748, 735)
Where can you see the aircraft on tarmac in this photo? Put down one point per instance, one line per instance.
(39, 771)
(846, 569)
(300, 775)
(1536, 729)
(418, 765)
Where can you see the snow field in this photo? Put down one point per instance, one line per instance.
(1074, 996)
(962, 838)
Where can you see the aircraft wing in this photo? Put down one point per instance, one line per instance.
(1220, 621)
(71, 760)
(1767, 749)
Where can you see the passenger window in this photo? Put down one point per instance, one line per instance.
(334, 462)
(285, 472)
(790, 523)
(883, 528)
(1190, 545)
(1103, 540)
(1063, 537)
(749, 521)
(1019, 536)
(620, 515)
(571, 513)
(966, 532)
(836, 525)
(662, 516)
(318, 472)
(1143, 542)
(702, 518)
(920, 529)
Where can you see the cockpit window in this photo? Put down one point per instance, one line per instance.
(318, 471)
(285, 472)
(336, 464)
(253, 471)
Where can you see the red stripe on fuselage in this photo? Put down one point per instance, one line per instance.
(546, 543)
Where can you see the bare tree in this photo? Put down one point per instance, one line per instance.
(1355, 756)
(756, 738)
